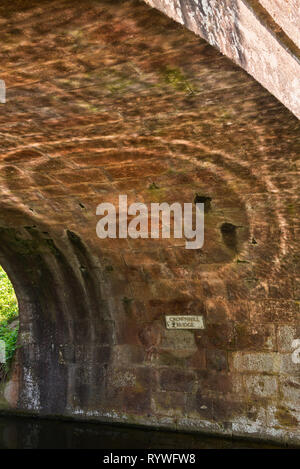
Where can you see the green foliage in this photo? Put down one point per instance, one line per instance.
(8, 313)
(8, 299)
(9, 336)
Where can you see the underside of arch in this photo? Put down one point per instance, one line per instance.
(107, 98)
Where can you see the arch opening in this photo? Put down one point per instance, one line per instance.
(9, 324)
(65, 331)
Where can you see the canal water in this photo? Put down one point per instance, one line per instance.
(20, 432)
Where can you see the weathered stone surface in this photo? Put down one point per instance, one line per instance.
(262, 36)
(286, 15)
(261, 386)
(285, 337)
(107, 98)
(257, 362)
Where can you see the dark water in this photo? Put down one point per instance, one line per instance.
(20, 432)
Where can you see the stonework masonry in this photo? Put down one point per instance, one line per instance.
(262, 36)
(106, 98)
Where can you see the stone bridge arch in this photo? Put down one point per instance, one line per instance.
(110, 98)
(62, 360)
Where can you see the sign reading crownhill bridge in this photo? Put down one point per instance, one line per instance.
(185, 322)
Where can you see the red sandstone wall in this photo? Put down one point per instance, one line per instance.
(257, 35)
(106, 99)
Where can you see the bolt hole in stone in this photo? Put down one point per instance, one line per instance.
(203, 199)
(153, 186)
(9, 324)
(229, 235)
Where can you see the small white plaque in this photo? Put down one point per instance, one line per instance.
(185, 322)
